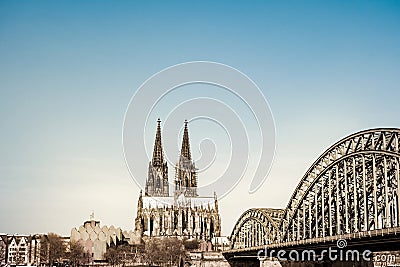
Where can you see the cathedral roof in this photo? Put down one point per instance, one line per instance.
(169, 202)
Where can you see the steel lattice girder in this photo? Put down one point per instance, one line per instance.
(266, 221)
(352, 187)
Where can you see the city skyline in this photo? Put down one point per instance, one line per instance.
(69, 70)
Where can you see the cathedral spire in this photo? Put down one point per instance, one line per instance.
(185, 150)
(185, 170)
(158, 156)
(157, 179)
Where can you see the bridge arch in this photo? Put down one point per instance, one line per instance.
(256, 227)
(352, 187)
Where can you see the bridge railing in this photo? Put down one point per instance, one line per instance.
(350, 236)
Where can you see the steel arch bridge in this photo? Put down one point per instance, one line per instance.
(351, 191)
(256, 227)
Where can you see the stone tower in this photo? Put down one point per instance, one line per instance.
(157, 178)
(185, 170)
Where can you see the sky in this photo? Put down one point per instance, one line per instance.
(68, 70)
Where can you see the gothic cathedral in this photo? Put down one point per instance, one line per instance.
(185, 213)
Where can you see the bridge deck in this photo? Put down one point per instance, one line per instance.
(328, 239)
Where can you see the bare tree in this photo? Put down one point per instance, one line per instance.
(76, 254)
(174, 250)
(129, 254)
(52, 249)
(88, 259)
(167, 250)
(113, 256)
(152, 252)
(2, 252)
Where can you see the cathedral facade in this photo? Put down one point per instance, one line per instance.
(183, 213)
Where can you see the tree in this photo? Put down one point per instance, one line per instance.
(167, 250)
(152, 252)
(52, 249)
(174, 249)
(124, 254)
(76, 254)
(192, 244)
(87, 258)
(113, 256)
(2, 252)
(129, 254)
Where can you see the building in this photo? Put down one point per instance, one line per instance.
(20, 249)
(96, 239)
(184, 213)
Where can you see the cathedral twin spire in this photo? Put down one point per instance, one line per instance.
(185, 151)
(185, 176)
(179, 214)
(185, 170)
(158, 155)
(157, 180)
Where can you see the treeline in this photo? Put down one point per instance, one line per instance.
(53, 251)
(166, 251)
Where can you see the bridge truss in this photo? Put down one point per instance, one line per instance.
(353, 187)
(256, 227)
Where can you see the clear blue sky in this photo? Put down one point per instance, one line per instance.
(69, 68)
